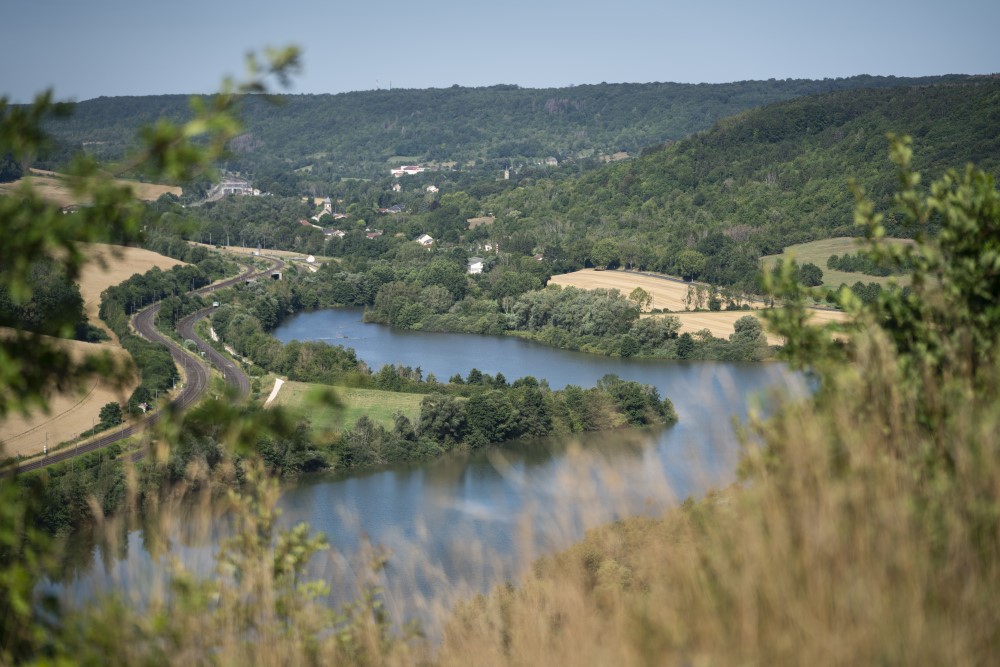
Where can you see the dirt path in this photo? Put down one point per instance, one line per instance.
(274, 392)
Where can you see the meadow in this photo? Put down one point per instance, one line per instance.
(379, 406)
(817, 252)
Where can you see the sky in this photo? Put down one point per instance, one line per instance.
(90, 48)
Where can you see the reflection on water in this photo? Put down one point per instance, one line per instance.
(466, 521)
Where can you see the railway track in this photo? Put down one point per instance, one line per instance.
(196, 371)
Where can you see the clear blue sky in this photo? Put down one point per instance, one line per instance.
(88, 48)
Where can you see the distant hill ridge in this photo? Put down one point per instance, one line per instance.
(356, 134)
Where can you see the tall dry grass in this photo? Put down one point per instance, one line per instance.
(853, 541)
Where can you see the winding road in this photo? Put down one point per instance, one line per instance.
(196, 372)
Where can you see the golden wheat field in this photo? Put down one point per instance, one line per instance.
(72, 414)
(69, 414)
(52, 187)
(670, 293)
(119, 264)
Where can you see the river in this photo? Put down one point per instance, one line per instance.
(459, 524)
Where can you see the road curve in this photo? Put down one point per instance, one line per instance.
(230, 370)
(195, 371)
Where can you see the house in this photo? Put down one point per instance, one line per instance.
(232, 185)
(433, 188)
(474, 265)
(334, 232)
(373, 233)
(551, 162)
(408, 170)
(396, 187)
(539, 257)
(425, 240)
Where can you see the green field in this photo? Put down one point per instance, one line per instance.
(818, 252)
(380, 406)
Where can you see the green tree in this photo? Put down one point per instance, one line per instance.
(491, 417)
(10, 169)
(628, 346)
(111, 414)
(641, 298)
(689, 264)
(605, 253)
(810, 275)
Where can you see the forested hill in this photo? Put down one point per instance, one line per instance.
(753, 183)
(359, 134)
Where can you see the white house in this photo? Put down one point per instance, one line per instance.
(475, 265)
(407, 170)
(433, 188)
(425, 240)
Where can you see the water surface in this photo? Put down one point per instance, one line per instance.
(469, 520)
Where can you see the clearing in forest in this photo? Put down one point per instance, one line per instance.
(817, 252)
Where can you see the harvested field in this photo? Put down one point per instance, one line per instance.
(720, 324)
(69, 414)
(52, 187)
(120, 264)
(72, 414)
(668, 292)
